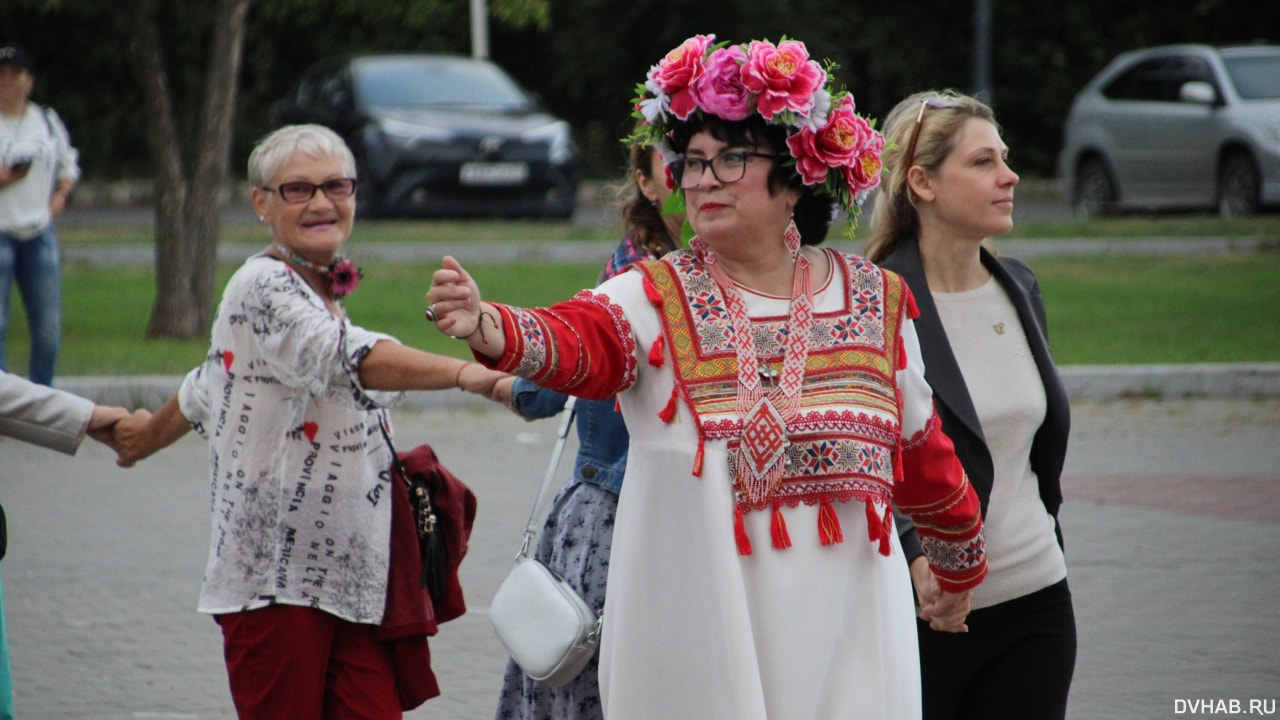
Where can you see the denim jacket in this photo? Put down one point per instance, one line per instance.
(602, 436)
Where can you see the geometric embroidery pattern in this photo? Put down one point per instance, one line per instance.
(834, 453)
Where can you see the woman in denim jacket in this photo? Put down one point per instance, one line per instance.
(578, 533)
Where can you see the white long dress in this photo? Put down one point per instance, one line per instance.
(693, 627)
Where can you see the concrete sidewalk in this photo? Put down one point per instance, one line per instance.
(1175, 586)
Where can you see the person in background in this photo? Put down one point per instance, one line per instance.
(578, 532)
(948, 189)
(292, 398)
(776, 404)
(38, 169)
(57, 420)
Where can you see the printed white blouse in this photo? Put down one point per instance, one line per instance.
(298, 468)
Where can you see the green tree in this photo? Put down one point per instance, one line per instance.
(189, 174)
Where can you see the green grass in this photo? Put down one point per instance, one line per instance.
(1102, 310)
(487, 231)
(1165, 226)
(1110, 309)
(1163, 309)
(105, 313)
(368, 231)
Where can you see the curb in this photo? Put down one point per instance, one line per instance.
(1083, 382)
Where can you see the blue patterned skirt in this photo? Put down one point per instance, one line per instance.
(575, 542)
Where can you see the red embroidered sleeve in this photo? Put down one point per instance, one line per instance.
(937, 495)
(583, 346)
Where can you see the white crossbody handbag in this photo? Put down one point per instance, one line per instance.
(546, 626)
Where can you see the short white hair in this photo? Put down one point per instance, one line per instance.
(274, 150)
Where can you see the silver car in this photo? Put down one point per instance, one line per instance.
(1177, 127)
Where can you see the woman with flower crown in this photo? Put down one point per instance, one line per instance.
(292, 398)
(777, 408)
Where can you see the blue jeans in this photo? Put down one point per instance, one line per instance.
(34, 264)
(6, 678)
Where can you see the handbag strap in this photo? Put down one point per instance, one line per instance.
(425, 506)
(562, 434)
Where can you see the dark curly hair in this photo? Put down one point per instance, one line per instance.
(813, 212)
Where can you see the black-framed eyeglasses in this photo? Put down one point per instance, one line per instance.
(727, 167)
(298, 191)
(935, 102)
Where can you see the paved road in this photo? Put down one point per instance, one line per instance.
(1172, 522)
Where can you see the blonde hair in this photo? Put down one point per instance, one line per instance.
(940, 115)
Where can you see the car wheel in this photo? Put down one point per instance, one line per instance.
(1095, 191)
(1238, 186)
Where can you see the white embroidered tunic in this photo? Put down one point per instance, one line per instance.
(301, 503)
(710, 613)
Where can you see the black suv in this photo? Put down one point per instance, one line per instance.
(440, 136)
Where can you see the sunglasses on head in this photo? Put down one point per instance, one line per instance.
(935, 102)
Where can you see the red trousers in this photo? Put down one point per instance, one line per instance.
(297, 663)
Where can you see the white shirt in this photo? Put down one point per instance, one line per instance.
(299, 470)
(40, 136)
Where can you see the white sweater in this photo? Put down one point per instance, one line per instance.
(990, 346)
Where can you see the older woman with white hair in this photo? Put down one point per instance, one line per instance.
(291, 398)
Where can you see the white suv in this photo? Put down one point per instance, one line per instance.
(1177, 127)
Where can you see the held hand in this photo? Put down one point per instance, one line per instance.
(948, 612)
(102, 423)
(453, 302)
(926, 585)
(502, 390)
(478, 379)
(132, 438)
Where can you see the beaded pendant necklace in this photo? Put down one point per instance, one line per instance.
(762, 455)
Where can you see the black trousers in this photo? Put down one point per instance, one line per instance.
(1015, 663)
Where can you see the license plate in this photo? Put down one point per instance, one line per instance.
(501, 173)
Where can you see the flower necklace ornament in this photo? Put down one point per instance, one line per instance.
(832, 147)
(342, 274)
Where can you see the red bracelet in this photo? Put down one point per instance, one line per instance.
(458, 375)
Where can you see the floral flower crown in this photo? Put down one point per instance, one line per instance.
(832, 147)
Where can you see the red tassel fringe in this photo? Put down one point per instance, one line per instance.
(697, 459)
(913, 312)
(778, 530)
(886, 532)
(878, 528)
(873, 522)
(655, 352)
(829, 531)
(902, 354)
(651, 292)
(669, 412)
(740, 532)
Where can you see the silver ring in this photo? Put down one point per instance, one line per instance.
(430, 314)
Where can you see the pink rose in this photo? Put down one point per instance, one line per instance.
(864, 173)
(680, 69)
(836, 144)
(782, 77)
(719, 91)
(809, 162)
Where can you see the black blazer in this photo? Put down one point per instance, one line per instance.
(955, 406)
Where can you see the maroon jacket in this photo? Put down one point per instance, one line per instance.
(410, 616)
